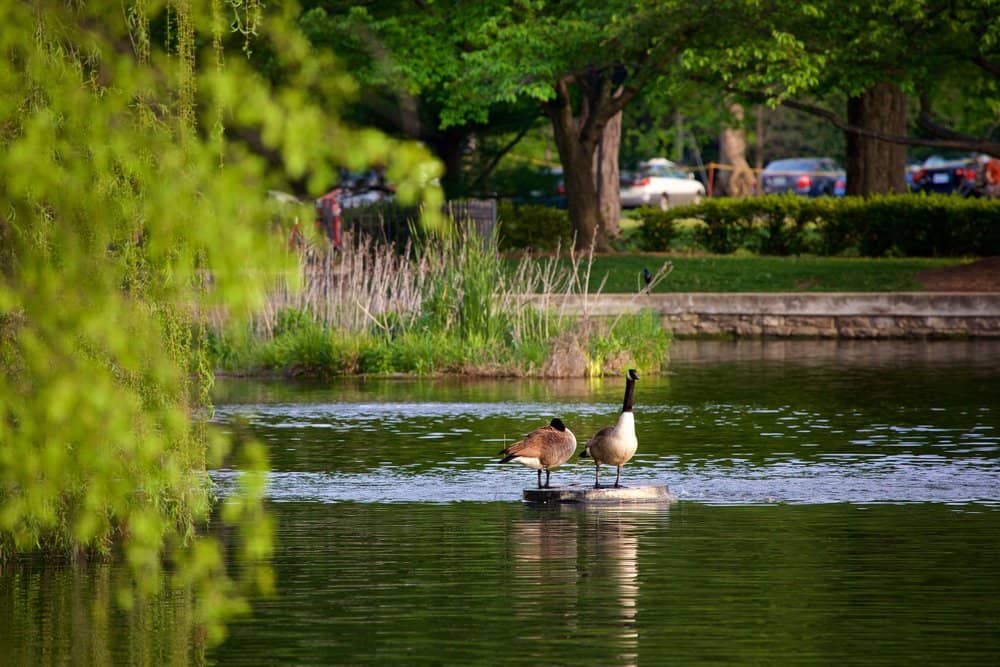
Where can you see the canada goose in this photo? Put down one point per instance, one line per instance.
(615, 445)
(545, 447)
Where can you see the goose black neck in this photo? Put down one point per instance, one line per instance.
(629, 392)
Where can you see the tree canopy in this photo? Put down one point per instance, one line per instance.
(592, 59)
(943, 55)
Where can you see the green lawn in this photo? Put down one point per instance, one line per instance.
(737, 273)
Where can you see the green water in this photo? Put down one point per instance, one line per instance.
(840, 503)
(484, 583)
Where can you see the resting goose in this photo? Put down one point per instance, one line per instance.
(545, 447)
(615, 445)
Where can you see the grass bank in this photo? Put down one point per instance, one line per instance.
(751, 273)
(450, 306)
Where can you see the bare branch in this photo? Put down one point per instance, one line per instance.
(987, 66)
(488, 169)
(953, 140)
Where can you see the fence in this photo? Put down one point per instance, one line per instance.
(394, 224)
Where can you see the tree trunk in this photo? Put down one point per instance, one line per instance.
(578, 178)
(448, 145)
(606, 176)
(875, 166)
(577, 137)
(737, 182)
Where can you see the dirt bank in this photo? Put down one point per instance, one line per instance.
(980, 276)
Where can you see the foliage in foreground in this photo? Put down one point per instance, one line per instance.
(914, 225)
(120, 194)
(454, 305)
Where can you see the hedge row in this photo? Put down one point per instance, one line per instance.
(894, 225)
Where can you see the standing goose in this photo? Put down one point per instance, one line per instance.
(545, 447)
(615, 445)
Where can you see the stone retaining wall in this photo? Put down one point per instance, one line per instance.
(824, 315)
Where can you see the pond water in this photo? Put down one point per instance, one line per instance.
(839, 503)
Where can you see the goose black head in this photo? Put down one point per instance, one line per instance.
(632, 375)
(557, 424)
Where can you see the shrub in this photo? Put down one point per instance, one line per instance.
(541, 228)
(891, 225)
(660, 226)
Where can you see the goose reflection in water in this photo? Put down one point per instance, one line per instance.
(575, 572)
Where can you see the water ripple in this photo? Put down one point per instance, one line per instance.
(836, 479)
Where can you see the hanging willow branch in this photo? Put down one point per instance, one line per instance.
(247, 16)
(186, 83)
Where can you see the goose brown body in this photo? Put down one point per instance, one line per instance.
(543, 449)
(615, 445)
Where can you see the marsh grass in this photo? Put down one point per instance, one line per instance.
(447, 304)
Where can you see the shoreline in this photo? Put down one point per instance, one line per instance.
(850, 315)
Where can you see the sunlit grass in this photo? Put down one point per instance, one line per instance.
(748, 273)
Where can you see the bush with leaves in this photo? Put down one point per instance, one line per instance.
(658, 227)
(890, 225)
(540, 228)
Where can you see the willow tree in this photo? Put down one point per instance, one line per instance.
(124, 212)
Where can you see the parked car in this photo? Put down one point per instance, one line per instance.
(945, 176)
(806, 176)
(660, 182)
(527, 184)
(364, 188)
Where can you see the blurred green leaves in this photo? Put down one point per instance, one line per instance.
(128, 207)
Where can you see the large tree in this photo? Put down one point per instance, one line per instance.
(580, 62)
(878, 56)
(404, 56)
(584, 62)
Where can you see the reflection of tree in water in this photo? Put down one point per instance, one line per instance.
(67, 615)
(576, 573)
(544, 568)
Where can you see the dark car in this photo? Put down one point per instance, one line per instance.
(806, 176)
(542, 186)
(945, 176)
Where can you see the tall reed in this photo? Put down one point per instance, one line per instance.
(447, 295)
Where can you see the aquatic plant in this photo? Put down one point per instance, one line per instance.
(449, 304)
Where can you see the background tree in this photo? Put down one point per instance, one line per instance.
(876, 56)
(405, 56)
(584, 63)
(736, 180)
(581, 63)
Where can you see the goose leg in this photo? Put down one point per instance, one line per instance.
(547, 473)
(597, 476)
(618, 478)
(539, 478)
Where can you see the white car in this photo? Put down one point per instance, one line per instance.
(661, 183)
